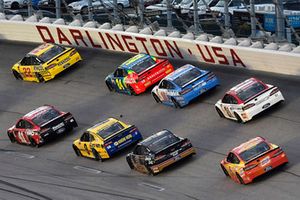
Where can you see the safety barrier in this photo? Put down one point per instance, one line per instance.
(283, 59)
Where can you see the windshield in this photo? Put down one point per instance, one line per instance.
(51, 53)
(110, 130)
(44, 117)
(250, 91)
(255, 151)
(143, 65)
(160, 141)
(221, 3)
(185, 2)
(187, 77)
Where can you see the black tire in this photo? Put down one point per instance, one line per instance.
(11, 137)
(97, 156)
(224, 170)
(240, 179)
(239, 120)
(176, 104)
(156, 98)
(77, 151)
(17, 75)
(33, 142)
(220, 112)
(40, 78)
(84, 10)
(132, 92)
(15, 5)
(129, 162)
(109, 86)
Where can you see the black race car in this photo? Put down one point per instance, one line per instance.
(158, 151)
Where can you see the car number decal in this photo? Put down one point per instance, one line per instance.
(27, 71)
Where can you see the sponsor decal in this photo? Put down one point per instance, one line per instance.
(138, 44)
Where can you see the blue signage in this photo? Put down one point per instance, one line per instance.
(270, 21)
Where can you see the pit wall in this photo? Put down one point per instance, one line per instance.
(161, 46)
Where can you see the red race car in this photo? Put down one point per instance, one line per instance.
(252, 159)
(40, 125)
(138, 73)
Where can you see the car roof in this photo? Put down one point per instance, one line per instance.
(243, 85)
(37, 111)
(41, 49)
(179, 72)
(101, 125)
(247, 145)
(128, 64)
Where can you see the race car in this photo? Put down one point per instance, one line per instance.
(45, 62)
(41, 125)
(138, 73)
(247, 99)
(159, 151)
(105, 139)
(252, 159)
(183, 85)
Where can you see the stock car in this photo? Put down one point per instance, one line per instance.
(41, 125)
(159, 151)
(105, 139)
(249, 98)
(138, 73)
(252, 159)
(45, 62)
(184, 85)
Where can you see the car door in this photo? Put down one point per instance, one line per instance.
(20, 132)
(118, 80)
(26, 68)
(233, 165)
(138, 158)
(163, 90)
(229, 104)
(84, 145)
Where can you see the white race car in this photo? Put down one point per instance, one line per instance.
(247, 99)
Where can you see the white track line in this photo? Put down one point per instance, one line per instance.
(152, 186)
(86, 169)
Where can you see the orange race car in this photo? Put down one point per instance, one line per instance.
(252, 159)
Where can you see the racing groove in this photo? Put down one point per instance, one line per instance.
(54, 172)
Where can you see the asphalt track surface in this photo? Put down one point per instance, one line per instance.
(54, 172)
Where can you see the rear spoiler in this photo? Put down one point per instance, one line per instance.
(120, 132)
(146, 70)
(249, 161)
(48, 62)
(259, 94)
(195, 79)
(60, 116)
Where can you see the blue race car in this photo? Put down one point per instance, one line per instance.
(183, 85)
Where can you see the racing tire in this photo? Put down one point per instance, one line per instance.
(97, 156)
(129, 162)
(84, 11)
(238, 118)
(40, 78)
(15, 5)
(109, 86)
(33, 142)
(224, 170)
(17, 75)
(11, 137)
(240, 179)
(132, 92)
(156, 98)
(77, 151)
(220, 112)
(176, 104)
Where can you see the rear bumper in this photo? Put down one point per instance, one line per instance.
(159, 167)
(260, 170)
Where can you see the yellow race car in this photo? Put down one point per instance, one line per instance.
(105, 139)
(45, 62)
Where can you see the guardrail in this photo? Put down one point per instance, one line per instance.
(283, 59)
